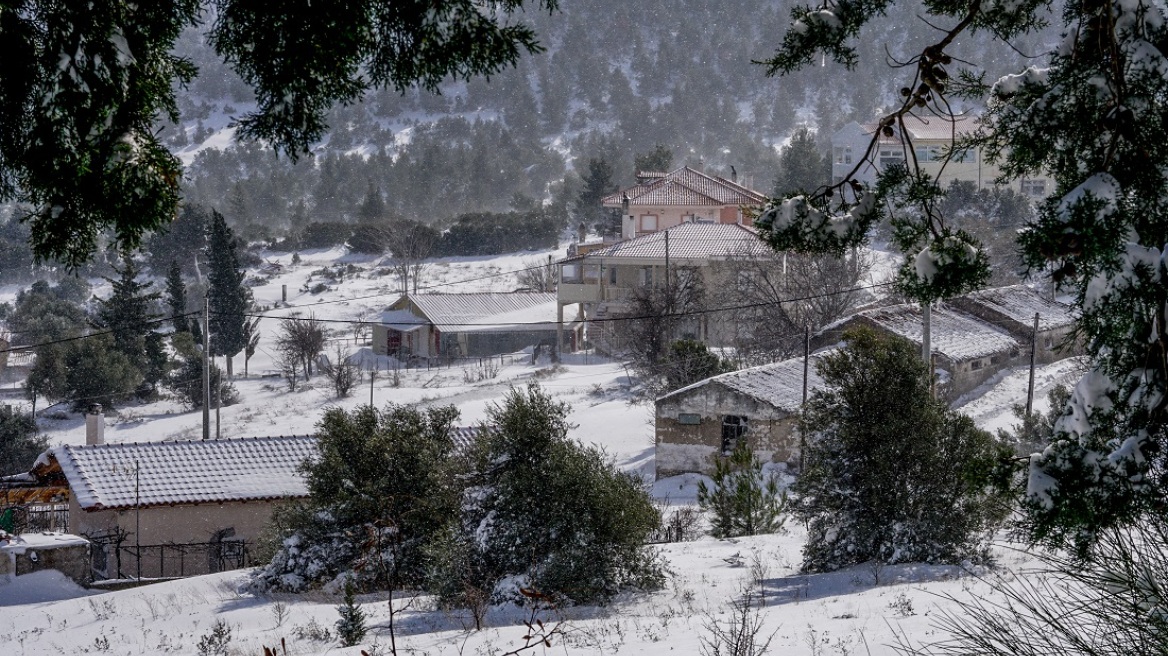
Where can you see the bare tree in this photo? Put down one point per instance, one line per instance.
(411, 244)
(538, 276)
(342, 372)
(301, 339)
(251, 334)
(776, 296)
(657, 315)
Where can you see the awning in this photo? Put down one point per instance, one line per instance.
(403, 321)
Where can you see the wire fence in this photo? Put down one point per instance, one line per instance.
(35, 518)
(170, 560)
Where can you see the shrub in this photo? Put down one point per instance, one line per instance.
(742, 501)
(552, 512)
(892, 475)
(351, 626)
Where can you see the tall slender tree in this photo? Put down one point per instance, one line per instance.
(176, 297)
(128, 312)
(229, 298)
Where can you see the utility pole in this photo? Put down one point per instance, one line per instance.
(926, 332)
(1033, 357)
(803, 408)
(218, 402)
(206, 368)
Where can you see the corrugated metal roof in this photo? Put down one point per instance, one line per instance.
(685, 186)
(955, 335)
(1019, 303)
(779, 384)
(171, 473)
(696, 241)
(488, 311)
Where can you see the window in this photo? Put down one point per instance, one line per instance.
(929, 154)
(689, 419)
(1034, 188)
(591, 273)
(1048, 343)
(646, 276)
(838, 152)
(648, 222)
(570, 273)
(968, 156)
(733, 430)
(974, 365)
(612, 276)
(847, 154)
(890, 157)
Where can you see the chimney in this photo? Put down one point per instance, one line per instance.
(95, 425)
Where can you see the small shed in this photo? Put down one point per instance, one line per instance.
(176, 508)
(466, 325)
(34, 552)
(696, 424)
(1013, 308)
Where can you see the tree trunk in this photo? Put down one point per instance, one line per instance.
(230, 372)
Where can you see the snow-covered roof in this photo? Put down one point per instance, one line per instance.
(1019, 303)
(685, 186)
(929, 128)
(103, 476)
(779, 384)
(479, 312)
(694, 241)
(954, 335)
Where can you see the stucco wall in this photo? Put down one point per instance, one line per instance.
(772, 433)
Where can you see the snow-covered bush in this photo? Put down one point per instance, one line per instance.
(892, 475)
(384, 484)
(545, 512)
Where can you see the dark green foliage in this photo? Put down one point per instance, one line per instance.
(19, 442)
(690, 361)
(128, 313)
(892, 475)
(491, 234)
(181, 240)
(187, 382)
(385, 484)
(78, 142)
(802, 167)
(660, 159)
(228, 296)
(553, 510)
(326, 234)
(41, 315)
(598, 183)
(84, 372)
(351, 625)
(176, 298)
(742, 501)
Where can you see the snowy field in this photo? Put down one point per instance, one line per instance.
(856, 611)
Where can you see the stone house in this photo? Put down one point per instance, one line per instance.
(1013, 309)
(696, 424)
(968, 350)
(467, 325)
(662, 200)
(165, 496)
(931, 139)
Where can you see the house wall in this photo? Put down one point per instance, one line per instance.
(772, 433)
(184, 524)
(1053, 344)
(668, 216)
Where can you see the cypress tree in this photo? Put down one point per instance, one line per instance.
(176, 297)
(229, 298)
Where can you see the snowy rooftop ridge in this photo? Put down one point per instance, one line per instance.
(477, 312)
(695, 241)
(1020, 303)
(779, 384)
(103, 476)
(954, 335)
(686, 187)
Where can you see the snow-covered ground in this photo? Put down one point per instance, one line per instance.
(856, 611)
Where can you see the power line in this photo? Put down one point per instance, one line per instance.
(32, 347)
(674, 315)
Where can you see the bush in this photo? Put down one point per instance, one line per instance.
(546, 510)
(378, 473)
(324, 234)
(351, 626)
(742, 501)
(892, 475)
(19, 443)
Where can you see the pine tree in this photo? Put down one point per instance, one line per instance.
(176, 298)
(229, 298)
(128, 312)
(598, 183)
(742, 501)
(1090, 115)
(351, 626)
(659, 159)
(802, 168)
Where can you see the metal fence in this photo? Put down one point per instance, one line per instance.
(35, 518)
(118, 559)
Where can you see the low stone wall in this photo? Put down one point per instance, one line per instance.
(25, 554)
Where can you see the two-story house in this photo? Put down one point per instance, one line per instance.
(663, 200)
(931, 139)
